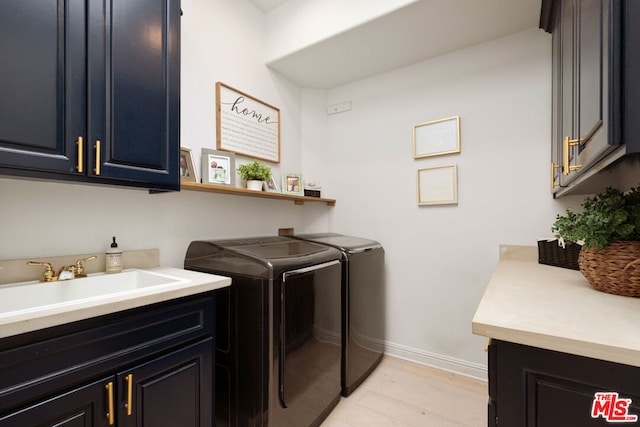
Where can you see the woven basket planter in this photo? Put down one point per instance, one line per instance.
(614, 269)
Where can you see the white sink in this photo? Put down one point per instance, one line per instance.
(28, 297)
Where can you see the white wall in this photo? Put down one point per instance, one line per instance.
(221, 41)
(440, 258)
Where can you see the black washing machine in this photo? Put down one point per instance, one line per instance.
(278, 330)
(363, 291)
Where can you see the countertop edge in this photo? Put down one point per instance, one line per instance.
(198, 283)
(555, 309)
(554, 343)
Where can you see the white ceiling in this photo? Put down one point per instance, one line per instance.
(414, 33)
(267, 5)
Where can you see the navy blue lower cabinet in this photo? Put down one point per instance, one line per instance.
(80, 406)
(149, 366)
(530, 386)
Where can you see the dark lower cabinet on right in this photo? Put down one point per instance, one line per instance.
(530, 386)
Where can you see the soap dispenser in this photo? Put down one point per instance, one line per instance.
(114, 258)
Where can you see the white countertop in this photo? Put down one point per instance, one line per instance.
(555, 308)
(13, 322)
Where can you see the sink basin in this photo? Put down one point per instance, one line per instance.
(27, 297)
(29, 306)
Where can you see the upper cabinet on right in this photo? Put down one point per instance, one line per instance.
(595, 137)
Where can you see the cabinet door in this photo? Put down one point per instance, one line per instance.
(556, 107)
(567, 100)
(543, 388)
(84, 406)
(595, 84)
(134, 92)
(172, 390)
(588, 61)
(42, 82)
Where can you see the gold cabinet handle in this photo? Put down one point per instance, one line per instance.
(80, 143)
(566, 143)
(553, 180)
(129, 380)
(97, 168)
(486, 345)
(110, 409)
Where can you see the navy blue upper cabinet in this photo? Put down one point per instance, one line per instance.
(91, 91)
(134, 85)
(595, 136)
(42, 84)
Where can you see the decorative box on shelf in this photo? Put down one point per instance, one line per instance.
(551, 253)
(311, 193)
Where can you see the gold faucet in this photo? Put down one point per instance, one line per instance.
(79, 267)
(48, 275)
(65, 273)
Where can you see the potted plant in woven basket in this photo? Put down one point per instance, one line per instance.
(609, 229)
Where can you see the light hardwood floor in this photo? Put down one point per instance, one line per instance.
(400, 393)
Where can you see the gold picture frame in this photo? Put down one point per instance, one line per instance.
(438, 185)
(436, 138)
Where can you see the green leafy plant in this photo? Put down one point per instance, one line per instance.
(256, 170)
(608, 216)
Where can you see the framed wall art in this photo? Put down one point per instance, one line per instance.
(436, 138)
(292, 184)
(246, 126)
(187, 166)
(218, 167)
(438, 186)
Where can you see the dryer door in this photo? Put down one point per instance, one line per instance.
(309, 374)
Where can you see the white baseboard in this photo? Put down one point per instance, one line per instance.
(446, 363)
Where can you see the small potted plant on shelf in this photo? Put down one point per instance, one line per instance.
(609, 230)
(254, 174)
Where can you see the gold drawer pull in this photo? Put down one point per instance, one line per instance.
(97, 168)
(80, 143)
(129, 379)
(110, 408)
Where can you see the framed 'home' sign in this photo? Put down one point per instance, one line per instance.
(247, 126)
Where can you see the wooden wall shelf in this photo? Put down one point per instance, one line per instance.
(210, 188)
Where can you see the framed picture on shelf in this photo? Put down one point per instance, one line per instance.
(271, 185)
(292, 184)
(218, 167)
(187, 166)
